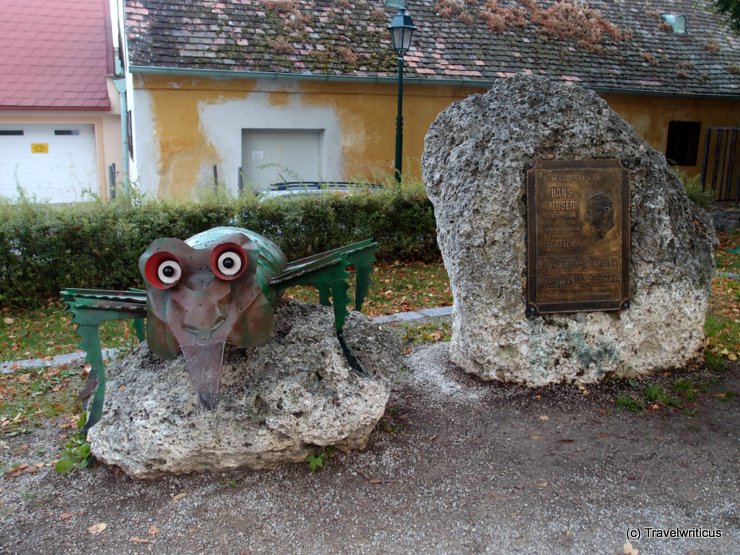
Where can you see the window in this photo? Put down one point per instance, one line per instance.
(679, 23)
(683, 143)
(66, 132)
(11, 132)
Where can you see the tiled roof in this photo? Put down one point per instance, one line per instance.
(453, 41)
(54, 54)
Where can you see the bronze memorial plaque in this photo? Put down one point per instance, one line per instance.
(578, 236)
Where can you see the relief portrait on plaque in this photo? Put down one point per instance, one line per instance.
(578, 236)
(600, 214)
(600, 224)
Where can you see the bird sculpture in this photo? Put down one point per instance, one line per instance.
(217, 287)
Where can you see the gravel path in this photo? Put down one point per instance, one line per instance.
(455, 466)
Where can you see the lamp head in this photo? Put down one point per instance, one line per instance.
(402, 30)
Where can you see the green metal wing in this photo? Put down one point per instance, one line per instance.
(327, 272)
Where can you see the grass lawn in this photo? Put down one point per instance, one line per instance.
(49, 331)
(723, 321)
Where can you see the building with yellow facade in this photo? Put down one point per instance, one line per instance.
(255, 92)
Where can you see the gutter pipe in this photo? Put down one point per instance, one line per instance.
(121, 88)
(483, 83)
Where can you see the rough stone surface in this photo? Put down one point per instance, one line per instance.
(474, 169)
(279, 402)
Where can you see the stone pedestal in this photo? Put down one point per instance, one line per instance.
(474, 164)
(278, 402)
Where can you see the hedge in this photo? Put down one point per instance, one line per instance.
(46, 248)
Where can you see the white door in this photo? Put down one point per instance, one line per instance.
(275, 156)
(51, 162)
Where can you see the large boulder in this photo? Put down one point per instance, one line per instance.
(474, 165)
(279, 402)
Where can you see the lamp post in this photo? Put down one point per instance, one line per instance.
(402, 29)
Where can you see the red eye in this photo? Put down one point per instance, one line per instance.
(162, 270)
(228, 261)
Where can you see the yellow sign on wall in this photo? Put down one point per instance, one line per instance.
(40, 148)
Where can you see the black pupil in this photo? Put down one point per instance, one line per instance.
(168, 271)
(228, 262)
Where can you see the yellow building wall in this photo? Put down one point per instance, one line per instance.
(650, 116)
(366, 115)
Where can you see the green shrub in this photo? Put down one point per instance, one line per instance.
(46, 248)
(694, 190)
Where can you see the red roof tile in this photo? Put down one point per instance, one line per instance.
(54, 54)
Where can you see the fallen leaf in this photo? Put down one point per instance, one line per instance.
(535, 436)
(96, 529)
(630, 550)
(179, 496)
(541, 483)
(153, 530)
(24, 378)
(8, 321)
(544, 418)
(65, 516)
(137, 539)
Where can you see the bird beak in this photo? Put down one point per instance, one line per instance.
(205, 365)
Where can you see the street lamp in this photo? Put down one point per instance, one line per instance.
(402, 29)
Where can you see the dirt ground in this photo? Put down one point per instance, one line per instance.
(455, 466)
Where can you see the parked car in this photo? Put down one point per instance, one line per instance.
(289, 188)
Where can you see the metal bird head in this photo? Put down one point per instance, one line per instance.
(203, 293)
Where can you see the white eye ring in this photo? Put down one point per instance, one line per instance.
(169, 272)
(229, 263)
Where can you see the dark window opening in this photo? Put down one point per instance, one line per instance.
(130, 130)
(11, 132)
(683, 143)
(66, 132)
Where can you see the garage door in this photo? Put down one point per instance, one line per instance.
(54, 163)
(275, 156)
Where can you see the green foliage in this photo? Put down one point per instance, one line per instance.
(714, 361)
(694, 190)
(45, 248)
(317, 462)
(427, 332)
(629, 403)
(686, 389)
(653, 393)
(76, 452)
(731, 8)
